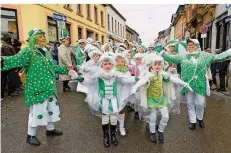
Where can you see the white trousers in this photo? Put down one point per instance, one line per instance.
(196, 105)
(163, 121)
(109, 118)
(41, 114)
(32, 130)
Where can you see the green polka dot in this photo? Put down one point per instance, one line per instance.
(39, 116)
(50, 99)
(50, 113)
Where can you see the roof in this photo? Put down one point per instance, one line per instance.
(181, 9)
(111, 6)
(129, 29)
(135, 32)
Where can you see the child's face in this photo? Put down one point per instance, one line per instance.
(157, 66)
(138, 61)
(120, 62)
(129, 56)
(140, 50)
(95, 57)
(120, 51)
(107, 66)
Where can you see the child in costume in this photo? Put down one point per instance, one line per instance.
(194, 66)
(135, 70)
(40, 88)
(89, 68)
(81, 55)
(104, 100)
(129, 58)
(153, 96)
(123, 89)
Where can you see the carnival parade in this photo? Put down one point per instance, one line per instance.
(150, 82)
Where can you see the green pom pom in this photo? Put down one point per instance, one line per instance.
(39, 116)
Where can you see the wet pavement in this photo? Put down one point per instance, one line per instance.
(83, 134)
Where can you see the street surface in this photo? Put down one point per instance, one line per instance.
(83, 134)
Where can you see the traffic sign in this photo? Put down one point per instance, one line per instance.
(227, 5)
(228, 19)
(59, 17)
(204, 29)
(204, 35)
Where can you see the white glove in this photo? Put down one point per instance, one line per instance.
(73, 74)
(187, 86)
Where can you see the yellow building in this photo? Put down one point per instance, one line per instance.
(83, 20)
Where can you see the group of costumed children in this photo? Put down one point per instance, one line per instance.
(112, 81)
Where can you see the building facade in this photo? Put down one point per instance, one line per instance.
(135, 36)
(129, 33)
(83, 20)
(200, 20)
(179, 22)
(221, 29)
(116, 25)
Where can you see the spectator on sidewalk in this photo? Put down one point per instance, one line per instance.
(222, 70)
(64, 56)
(7, 50)
(54, 52)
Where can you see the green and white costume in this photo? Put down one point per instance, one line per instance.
(40, 86)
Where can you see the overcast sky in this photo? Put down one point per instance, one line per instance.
(147, 19)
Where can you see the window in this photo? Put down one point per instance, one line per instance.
(118, 28)
(123, 31)
(9, 22)
(102, 39)
(79, 11)
(67, 5)
(228, 43)
(88, 11)
(102, 21)
(96, 37)
(96, 14)
(68, 27)
(115, 27)
(80, 33)
(112, 23)
(52, 30)
(108, 22)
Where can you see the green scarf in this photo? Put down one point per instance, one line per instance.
(122, 68)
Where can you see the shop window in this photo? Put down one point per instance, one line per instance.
(80, 33)
(9, 22)
(52, 30)
(68, 27)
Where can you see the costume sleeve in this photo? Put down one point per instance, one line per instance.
(63, 55)
(19, 60)
(171, 58)
(60, 69)
(143, 81)
(222, 56)
(176, 80)
(125, 79)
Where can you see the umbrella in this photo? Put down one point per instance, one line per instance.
(180, 46)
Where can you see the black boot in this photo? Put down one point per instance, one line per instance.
(54, 133)
(32, 140)
(152, 137)
(192, 126)
(161, 137)
(136, 115)
(113, 135)
(201, 123)
(106, 136)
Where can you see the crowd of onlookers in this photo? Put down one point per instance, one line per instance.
(10, 80)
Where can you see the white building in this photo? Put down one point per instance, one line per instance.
(221, 30)
(116, 25)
